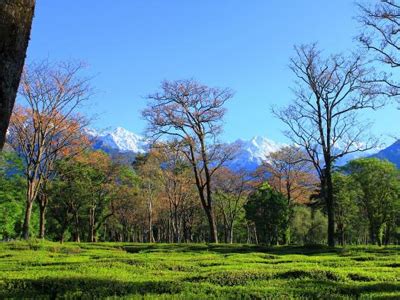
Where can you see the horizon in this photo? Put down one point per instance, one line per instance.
(245, 47)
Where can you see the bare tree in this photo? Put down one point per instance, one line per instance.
(192, 113)
(323, 117)
(15, 27)
(177, 183)
(291, 173)
(380, 35)
(48, 126)
(231, 189)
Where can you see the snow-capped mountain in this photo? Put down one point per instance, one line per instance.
(250, 154)
(119, 140)
(123, 144)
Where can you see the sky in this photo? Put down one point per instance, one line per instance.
(130, 46)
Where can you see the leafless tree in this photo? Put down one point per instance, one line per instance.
(381, 36)
(192, 114)
(231, 189)
(177, 183)
(323, 117)
(291, 173)
(15, 27)
(47, 127)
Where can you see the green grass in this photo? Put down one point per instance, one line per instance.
(196, 271)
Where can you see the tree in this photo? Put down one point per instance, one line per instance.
(381, 25)
(192, 113)
(268, 210)
(15, 27)
(291, 173)
(379, 184)
(323, 118)
(345, 194)
(230, 196)
(149, 170)
(85, 192)
(48, 127)
(177, 184)
(12, 192)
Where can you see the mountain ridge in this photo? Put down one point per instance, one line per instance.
(121, 142)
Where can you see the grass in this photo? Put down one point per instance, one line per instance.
(196, 271)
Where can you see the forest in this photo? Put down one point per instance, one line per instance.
(316, 219)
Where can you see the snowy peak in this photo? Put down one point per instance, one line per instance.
(120, 140)
(251, 153)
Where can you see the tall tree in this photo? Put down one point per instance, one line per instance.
(48, 126)
(192, 114)
(148, 168)
(15, 27)
(267, 208)
(379, 184)
(323, 117)
(231, 190)
(177, 184)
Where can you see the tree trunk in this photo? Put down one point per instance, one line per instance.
(15, 27)
(42, 221)
(27, 219)
(330, 207)
(42, 216)
(231, 234)
(76, 229)
(213, 238)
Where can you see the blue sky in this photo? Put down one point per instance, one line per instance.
(132, 45)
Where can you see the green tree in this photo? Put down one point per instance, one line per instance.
(268, 209)
(12, 195)
(379, 185)
(347, 212)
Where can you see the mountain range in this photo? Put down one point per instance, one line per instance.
(123, 144)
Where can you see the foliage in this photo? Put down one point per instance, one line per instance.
(379, 195)
(268, 209)
(12, 195)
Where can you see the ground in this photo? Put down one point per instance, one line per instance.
(196, 271)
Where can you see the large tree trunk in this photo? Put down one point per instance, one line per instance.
(15, 27)
(213, 238)
(330, 207)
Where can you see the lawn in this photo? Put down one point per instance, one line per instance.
(196, 271)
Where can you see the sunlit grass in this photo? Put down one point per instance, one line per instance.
(196, 271)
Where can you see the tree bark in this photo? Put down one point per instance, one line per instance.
(27, 220)
(15, 27)
(330, 207)
(42, 221)
(42, 214)
(213, 238)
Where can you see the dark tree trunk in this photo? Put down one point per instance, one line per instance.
(330, 207)
(15, 27)
(213, 238)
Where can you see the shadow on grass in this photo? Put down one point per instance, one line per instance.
(227, 249)
(82, 287)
